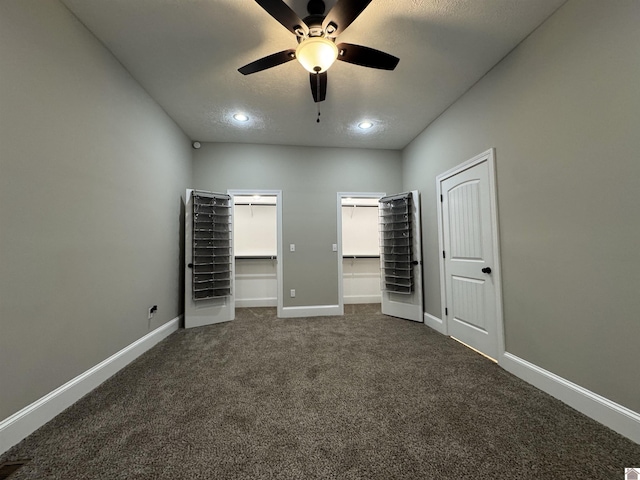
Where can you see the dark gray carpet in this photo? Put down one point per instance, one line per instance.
(362, 396)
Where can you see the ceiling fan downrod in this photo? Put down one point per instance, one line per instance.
(315, 7)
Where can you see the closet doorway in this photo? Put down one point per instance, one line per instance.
(358, 248)
(257, 242)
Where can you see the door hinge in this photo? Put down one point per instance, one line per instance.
(441, 198)
(446, 311)
(443, 254)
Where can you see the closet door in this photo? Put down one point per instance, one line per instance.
(209, 276)
(401, 256)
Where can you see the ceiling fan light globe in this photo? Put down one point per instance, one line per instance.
(316, 54)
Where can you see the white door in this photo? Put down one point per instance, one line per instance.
(401, 256)
(209, 266)
(471, 273)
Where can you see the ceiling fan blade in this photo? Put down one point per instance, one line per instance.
(267, 62)
(283, 13)
(318, 86)
(343, 14)
(367, 57)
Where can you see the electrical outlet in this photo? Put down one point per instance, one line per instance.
(292, 247)
(293, 292)
(151, 311)
(334, 247)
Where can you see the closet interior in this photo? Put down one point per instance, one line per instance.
(256, 251)
(360, 250)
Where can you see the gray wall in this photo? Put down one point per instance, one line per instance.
(91, 173)
(309, 178)
(563, 111)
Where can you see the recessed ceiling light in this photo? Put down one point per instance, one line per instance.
(240, 117)
(365, 125)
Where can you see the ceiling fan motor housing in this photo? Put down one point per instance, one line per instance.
(314, 22)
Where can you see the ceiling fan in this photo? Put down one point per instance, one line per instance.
(316, 36)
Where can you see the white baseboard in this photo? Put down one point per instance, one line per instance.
(256, 302)
(434, 322)
(618, 418)
(21, 424)
(357, 299)
(311, 311)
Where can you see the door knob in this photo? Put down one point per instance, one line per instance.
(486, 270)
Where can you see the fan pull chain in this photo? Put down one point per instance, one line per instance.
(318, 95)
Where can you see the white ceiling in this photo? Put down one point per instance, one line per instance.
(186, 53)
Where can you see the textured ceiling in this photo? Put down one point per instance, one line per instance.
(186, 53)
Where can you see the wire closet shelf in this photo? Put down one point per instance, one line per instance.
(212, 248)
(396, 252)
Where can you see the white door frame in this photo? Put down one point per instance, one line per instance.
(278, 195)
(489, 157)
(342, 195)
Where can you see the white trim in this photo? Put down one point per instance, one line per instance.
(443, 280)
(497, 262)
(490, 157)
(434, 322)
(354, 299)
(257, 302)
(617, 417)
(340, 196)
(312, 311)
(280, 276)
(21, 424)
